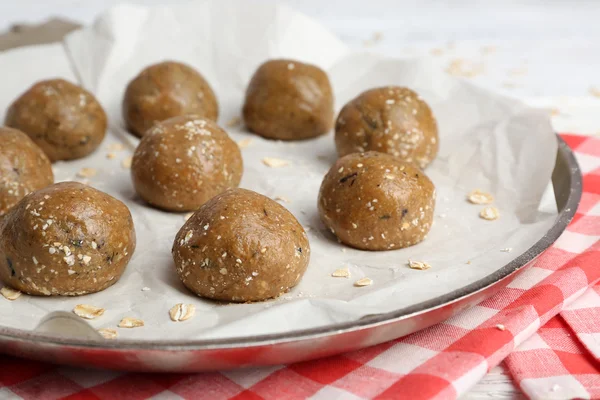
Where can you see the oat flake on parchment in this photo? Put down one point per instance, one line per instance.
(88, 311)
(108, 333)
(126, 163)
(489, 213)
(182, 312)
(87, 172)
(242, 144)
(341, 273)
(275, 162)
(420, 265)
(9, 293)
(478, 196)
(130, 322)
(363, 282)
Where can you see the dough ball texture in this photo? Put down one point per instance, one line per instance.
(23, 168)
(241, 246)
(183, 162)
(392, 120)
(289, 100)
(63, 119)
(374, 201)
(66, 239)
(165, 90)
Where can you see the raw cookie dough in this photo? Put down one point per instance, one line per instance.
(67, 239)
(392, 120)
(289, 100)
(65, 120)
(241, 246)
(374, 201)
(164, 90)
(23, 168)
(183, 162)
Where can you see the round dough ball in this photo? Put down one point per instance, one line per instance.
(373, 201)
(67, 239)
(65, 120)
(392, 120)
(289, 100)
(183, 162)
(23, 168)
(164, 90)
(241, 246)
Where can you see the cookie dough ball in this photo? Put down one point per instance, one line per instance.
(374, 201)
(289, 100)
(183, 162)
(65, 120)
(392, 120)
(241, 246)
(67, 239)
(23, 168)
(164, 90)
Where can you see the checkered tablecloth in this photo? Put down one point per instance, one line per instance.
(545, 325)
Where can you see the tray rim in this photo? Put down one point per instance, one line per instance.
(517, 264)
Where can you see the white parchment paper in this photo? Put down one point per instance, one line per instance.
(487, 141)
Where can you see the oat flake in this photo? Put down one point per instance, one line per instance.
(478, 196)
(87, 311)
(130, 322)
(182, 312)
(489, 213)
(363, 282)
(275, 162)
(10, 294)
(108, 333)
(341, 273)
(420, 265)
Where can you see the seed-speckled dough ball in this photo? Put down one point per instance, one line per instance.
(63, 119)
(183, 162)
(392, 120)
(165, 90)
(23, 168)
(289, 100)
(374, 201)
(66, 239)
(241, 246)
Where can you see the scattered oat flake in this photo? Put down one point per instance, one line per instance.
(282, 198)
(242, 144)
(554, 112)
(501, 327)
(87, 172)
(182, 312)
(468, 262)
(110, 156)
(464, 68)
(594, 91)
(126, 163)
(363, 282)
(108, 333)
(418, 265)
(130, 322)
(437, 52)
(275, 162)
(10, 294)
(478, 196)
(87, 311)
(341, 273)
(233, 122)
(116, 147)
(489, 213)
(506, 250)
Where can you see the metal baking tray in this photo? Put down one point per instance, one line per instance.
(217, 354)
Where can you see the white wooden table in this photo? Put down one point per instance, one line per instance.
(543, 50)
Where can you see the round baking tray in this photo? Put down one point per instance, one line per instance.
(300, 345)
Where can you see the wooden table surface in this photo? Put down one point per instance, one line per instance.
(545, 50)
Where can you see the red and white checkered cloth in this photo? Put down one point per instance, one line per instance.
(546, 324)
